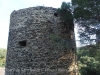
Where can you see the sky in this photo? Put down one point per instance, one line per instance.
(7, 6)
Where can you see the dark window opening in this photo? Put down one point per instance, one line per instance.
(22, 43)
(56, 14)
(51, 30)
(72, 48)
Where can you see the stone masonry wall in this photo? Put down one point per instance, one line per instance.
(31, 50)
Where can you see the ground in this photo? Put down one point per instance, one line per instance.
(2, 71)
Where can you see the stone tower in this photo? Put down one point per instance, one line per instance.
(37, 44)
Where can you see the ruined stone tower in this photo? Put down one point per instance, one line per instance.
(37, 44)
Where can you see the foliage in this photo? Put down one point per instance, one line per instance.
(86, 9)
(91, 50)
(89, 60)
(55, 38)
(89, 66)
(97, 57)
(87, 15)
(66, 15)
(2, 57)
(58, 40)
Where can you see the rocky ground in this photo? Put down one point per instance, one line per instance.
(2, 71)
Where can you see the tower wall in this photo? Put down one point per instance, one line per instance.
(36, 44)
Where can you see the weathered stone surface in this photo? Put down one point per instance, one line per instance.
(30, 48)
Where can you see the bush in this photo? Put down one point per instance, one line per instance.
(58, 40)
(2, 57)
(89, 66)
(89, 63)
(55, 38)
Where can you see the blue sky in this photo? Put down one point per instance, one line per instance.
(7, 6)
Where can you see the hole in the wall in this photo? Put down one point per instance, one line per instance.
(51, 30)
(73, 49)
(22, 43)
(56, 14)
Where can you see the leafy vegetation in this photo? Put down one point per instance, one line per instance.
(89, 60)
(86, 14)
(2, 57)
(55, 38)
(58, 40)
(65, 13)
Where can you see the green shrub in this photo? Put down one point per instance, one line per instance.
(89, 66)
(89, 63)
(55, 38)
(58, 40)
(2, 57)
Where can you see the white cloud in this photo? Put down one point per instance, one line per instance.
(4, 27)
(3, 39)
(54, 3)
(29, 3)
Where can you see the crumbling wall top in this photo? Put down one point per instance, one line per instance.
(37, 14)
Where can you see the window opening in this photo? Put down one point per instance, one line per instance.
(56, 14)
(22, 43)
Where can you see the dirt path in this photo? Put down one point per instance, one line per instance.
(2, 71)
